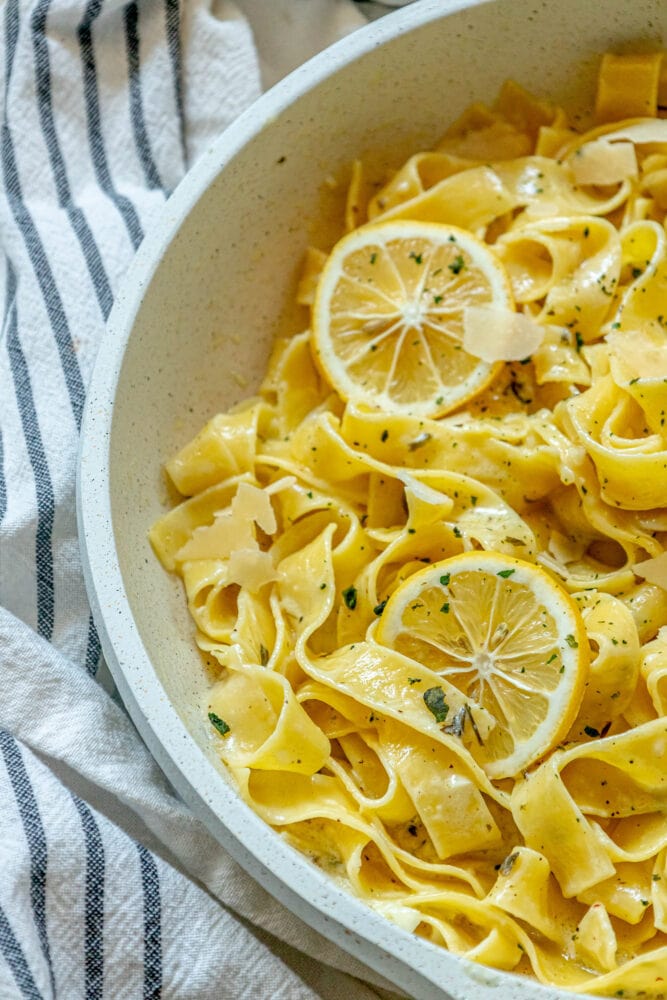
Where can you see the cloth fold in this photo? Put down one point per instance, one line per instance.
(109, 888)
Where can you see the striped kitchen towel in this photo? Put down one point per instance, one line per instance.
(109, 888)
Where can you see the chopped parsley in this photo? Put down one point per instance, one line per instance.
(434, 700)
(263, 651)
(417, 257)
(457, 264)
(379, 608)
(350, 597)
(445, 608)
(374, 257)
(218, 723)
(505, 573)
(444, 579)
(571, 641)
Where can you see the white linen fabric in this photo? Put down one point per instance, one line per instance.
(109, 888)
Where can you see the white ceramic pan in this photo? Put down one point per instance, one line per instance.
(190, 333)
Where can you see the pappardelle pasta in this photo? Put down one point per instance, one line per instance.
(429, 558)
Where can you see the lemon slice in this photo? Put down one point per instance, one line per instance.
(507, 636)
(388, 317)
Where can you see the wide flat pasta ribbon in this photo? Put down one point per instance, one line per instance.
(631, 461)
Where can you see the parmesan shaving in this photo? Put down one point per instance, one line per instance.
(653, 570)
(641, 133)
(495, 334)
(251, 568)
(218, 540)
(600, 162)
(253, 504)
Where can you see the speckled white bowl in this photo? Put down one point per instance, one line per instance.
(190, 333)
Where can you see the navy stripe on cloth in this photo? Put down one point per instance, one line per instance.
(94, 903)
(12, 34)
(15, 959)
(173, 16)
(35, 837)
(150, 882)
(40, 469)
(77, 219)
(31, 238)
(93, 648)
(141, 139)
(95, 137)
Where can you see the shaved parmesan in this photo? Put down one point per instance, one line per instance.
(601, 162)
(252, 504)
(495, 334)
(251, 568)
(641, 133)
(217, 540)
(653, 570)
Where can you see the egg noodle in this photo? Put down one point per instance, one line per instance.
(428, 561)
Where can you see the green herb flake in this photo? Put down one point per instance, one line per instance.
(350, 597)
(572, 642)
(438, 299)
(434, 699)
(263, 651)
(444, 579)
(445, 608)
(457, 264)
(374, 257)
(218, 723)
(505, 573)
(414, 680)
(417, 257)
(379, 608)
(553, 657)
(579, 341)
